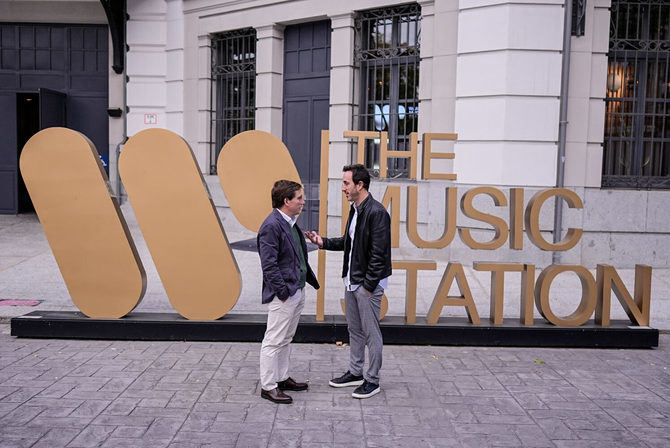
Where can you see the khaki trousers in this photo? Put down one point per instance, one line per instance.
(283, 320)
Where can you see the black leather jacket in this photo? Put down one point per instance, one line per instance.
(371, 256)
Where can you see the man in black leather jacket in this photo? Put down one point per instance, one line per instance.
(366, 269)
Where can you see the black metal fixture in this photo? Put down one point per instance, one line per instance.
(114, 112)
(117, 17)
(578, 17)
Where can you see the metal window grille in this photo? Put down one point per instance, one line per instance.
(387, 55)
(233, 87)
(637, 118)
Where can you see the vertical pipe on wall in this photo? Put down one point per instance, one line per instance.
(124, 137)
(117, 18)
(119, 192)
(562, 126)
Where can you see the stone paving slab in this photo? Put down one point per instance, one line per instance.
(78, 393)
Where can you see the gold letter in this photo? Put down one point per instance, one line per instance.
(323, 226)
(392, 199)
(586, 306)
(442, 297)
(516, 218)
(637, 309)
(498, 285)
(412, 267)
(449, 219)
(384, 154)
(360, 137)
(83, 223)
(498, 224)
(527, 283)
(532, 219)
(189, 247)
(428, 155)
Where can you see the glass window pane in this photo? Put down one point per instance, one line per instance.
(388, 57)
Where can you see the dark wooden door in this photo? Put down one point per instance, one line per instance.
(306, 106)
(8, 154)
(52, 108)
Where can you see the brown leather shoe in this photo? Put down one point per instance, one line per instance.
(276, 396)
(290, 384)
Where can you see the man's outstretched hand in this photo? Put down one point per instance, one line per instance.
(314, 238)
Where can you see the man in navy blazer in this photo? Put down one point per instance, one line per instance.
(283, 252)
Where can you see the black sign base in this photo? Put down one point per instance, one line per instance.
(251, 328)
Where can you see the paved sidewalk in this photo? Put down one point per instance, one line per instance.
(56, 393)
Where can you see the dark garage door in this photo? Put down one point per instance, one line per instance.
(70, 59)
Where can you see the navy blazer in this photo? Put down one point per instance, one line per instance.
(279, 258)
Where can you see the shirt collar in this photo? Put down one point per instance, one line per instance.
(287, 218)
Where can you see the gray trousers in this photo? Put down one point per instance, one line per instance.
(363, 321)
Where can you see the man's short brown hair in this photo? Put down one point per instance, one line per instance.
(284, 189)
(358, 174)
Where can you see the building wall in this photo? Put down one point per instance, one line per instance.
(497, 87)
(490, 71)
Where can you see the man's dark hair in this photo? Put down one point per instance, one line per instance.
(359, 174)
(284, 189)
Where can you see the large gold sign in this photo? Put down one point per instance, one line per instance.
(180, 224)
(105, 277)
(83, 223)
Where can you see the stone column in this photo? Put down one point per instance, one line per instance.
(507, 88)
(342, 100)
(269, 78)
(174, 79)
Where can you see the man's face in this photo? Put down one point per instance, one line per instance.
(294, 206)
(350, 190)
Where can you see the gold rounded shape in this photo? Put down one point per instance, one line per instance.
(180, 225)
(248, 166)
(83, 223)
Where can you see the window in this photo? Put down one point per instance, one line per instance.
(387, 55)
(636, 149)
(233, 87)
